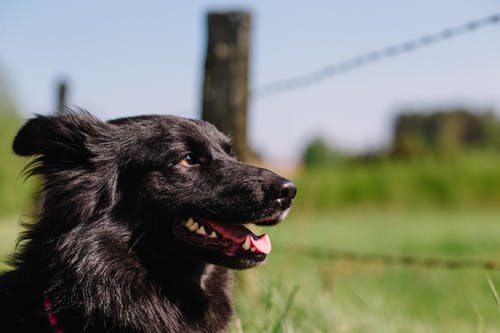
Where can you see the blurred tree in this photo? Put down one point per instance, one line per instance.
(15, 195)
(7, 105)
(318, 152)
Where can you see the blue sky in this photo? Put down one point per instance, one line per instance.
(137, 57)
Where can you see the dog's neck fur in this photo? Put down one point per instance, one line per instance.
(189, 298)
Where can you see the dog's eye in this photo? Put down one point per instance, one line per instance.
(188, 160)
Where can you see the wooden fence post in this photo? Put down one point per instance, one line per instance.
(61, 96)
(225, 87)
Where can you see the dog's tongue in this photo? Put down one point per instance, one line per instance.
(239, 234)
(261, 243)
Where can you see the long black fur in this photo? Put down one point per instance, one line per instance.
(103, 250)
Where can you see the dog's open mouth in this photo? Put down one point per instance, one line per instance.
(232, 239)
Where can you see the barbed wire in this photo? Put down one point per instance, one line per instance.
(402, 260)
(302, 81)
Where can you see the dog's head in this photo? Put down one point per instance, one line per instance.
(173, 182)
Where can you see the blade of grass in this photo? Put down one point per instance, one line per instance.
(288, 305)
(480, 321)
(239, 327)
(494, 292)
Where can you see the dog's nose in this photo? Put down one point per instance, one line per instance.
(286, 191)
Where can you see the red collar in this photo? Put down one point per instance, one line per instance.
(53, 321)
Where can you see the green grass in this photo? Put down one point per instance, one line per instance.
(9, 231)
(346, 296)
(16, 194)
(466, 180)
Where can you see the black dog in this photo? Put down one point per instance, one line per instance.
(141, 218)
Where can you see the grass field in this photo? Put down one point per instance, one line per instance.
(296, 293)
(464, 180)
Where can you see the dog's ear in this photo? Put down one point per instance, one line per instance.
(63, 136)
(73, 152)
(32, 137)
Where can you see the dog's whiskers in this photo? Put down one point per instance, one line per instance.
(136, 242)
(211, 210)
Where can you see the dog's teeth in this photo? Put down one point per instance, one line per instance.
(213, 235)
(193, 227)
(201, 231)
(246, 244)
(189, 222)
(252, 249)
